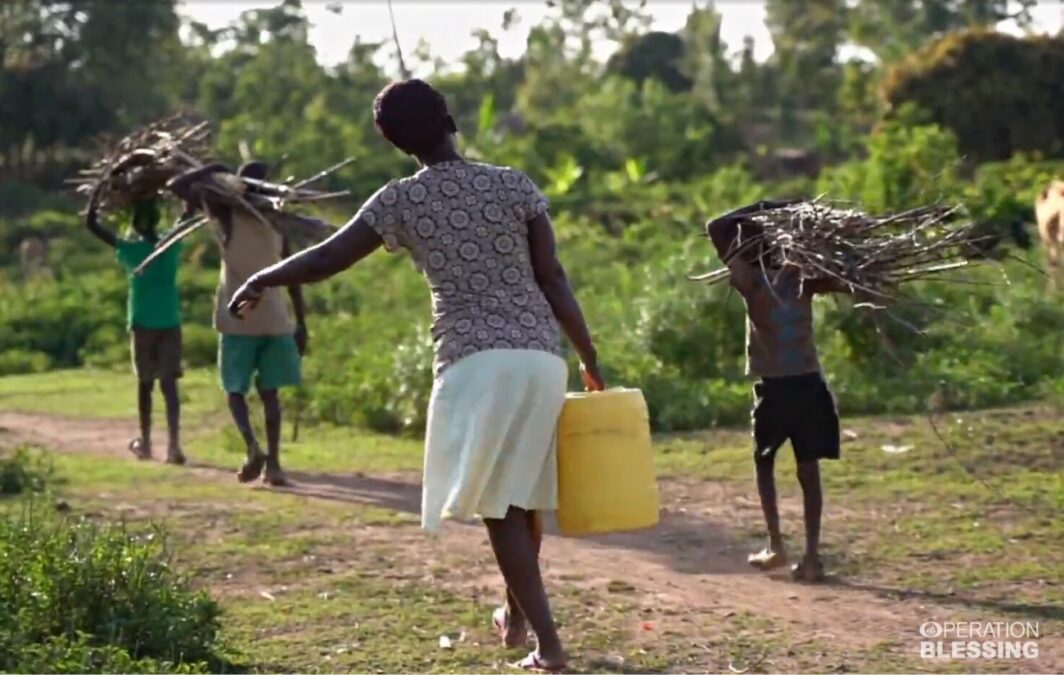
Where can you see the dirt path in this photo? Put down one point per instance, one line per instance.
(693, 562)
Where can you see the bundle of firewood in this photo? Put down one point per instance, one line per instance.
(866, 253)
(139, 165)
(143, 164)
(263, 200)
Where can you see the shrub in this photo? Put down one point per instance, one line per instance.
(909, 162)
(385, 380)
(24, 471)
(199, 345)
(21, 361)
(62, 654)
(95, 596)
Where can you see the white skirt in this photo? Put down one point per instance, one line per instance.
(491, 437)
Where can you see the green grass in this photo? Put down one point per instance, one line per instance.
(93, 477)
(208, 432)
(313, 586)
(914, 505)
(101, 394)
(350, 592)
(321, 449)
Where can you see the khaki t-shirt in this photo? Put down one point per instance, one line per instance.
(780, 340)
(253, 246)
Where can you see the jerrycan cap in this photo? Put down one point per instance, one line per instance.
(612, 391)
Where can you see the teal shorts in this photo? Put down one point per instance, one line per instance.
(273, 358)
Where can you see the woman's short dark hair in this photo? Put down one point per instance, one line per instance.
(412, 116)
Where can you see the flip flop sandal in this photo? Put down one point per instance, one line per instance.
(500, 619)
(252, 468)
(765, 561)
(532, 664)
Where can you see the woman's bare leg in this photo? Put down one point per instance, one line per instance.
(516, 624)
(515, 543)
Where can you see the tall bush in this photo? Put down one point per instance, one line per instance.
(95, 594)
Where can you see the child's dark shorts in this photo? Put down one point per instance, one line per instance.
(801, 409)
(156, 353)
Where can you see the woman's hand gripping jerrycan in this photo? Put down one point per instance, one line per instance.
(605, 464)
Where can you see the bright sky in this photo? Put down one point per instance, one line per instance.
(447, 26)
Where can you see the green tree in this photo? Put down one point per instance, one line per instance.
(559, 65)
(671, 133)
(272, 99)
(486, 75)
(70, 70)
(998, 93)
(806, 35)
(654, 55)
(893, 29)
(706, 58)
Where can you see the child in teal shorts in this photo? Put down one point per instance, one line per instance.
(266, 346)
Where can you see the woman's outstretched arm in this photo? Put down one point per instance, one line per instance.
(352, 243)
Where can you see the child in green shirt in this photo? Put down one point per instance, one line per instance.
(154, 320)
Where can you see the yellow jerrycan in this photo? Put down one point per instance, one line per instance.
(605, 464)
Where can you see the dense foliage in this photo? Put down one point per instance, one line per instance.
(86, 597)
(635, 154)
(23, 472)
(1003, 91)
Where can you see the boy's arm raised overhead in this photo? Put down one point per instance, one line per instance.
(92, 220)
(727, 233)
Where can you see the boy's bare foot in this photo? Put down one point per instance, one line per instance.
(536, 663)
(514, 633)
(809, 570)
(253, 465)
(140, 449)
(175, 456)
(274, 475)
(767, 559)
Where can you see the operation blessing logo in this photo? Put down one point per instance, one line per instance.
(979, 640)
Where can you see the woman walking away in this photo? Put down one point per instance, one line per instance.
(482, 237)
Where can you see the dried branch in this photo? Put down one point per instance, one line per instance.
(263, 200)
(871, 254)
(139, 165)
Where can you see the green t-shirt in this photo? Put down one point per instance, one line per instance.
(154, 301)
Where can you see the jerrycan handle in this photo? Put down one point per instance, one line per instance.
(604, 392)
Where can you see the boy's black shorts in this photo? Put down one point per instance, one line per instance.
(800, 409)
